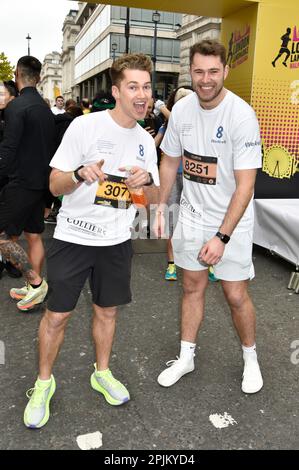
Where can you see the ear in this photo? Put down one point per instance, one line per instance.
(115, 92)
(226, 71)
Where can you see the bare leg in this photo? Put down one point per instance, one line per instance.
(51, 335)
(36, 251)
(194, 286)
(169, 250)
(104, 322)
(242, 310)
(15, 254)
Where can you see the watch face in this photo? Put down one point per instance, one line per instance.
(278, 163)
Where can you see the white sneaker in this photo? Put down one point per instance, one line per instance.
(252, 378)
(176, 369)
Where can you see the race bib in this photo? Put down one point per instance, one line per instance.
(113, 193)
(200, 169)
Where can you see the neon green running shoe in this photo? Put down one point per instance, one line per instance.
(170, 274)
(18, 293)
(33, 297)
(114, 391)
(37, 411)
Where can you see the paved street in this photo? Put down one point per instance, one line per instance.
(147, 337)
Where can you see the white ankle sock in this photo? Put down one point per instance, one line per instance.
(249, 352)
(187, 350)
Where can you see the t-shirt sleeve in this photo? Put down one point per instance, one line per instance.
(247, 153)
(171, 144)
(69, 154)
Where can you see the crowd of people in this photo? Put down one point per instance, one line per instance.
(190, 159)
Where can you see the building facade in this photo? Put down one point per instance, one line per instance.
(51, 77)
(70, 31)
(194, 29)
(102, 38)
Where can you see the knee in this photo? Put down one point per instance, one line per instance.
(32, 237)
(236, 299)
(56, 321)
(194, 288)
(106, 314)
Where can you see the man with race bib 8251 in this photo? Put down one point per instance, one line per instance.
(216, 135)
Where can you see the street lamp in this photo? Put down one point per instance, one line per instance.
(113, 47)
(28, 39)
(156, 19)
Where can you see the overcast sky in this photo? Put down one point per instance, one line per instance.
(42, 19)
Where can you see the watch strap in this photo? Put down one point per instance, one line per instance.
(151, 181)
(223, 237)
(75, 175)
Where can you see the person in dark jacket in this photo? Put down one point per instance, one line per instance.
(25, 152)
(10, 92)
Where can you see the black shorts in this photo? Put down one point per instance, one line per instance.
(21, 210)
(108, 269)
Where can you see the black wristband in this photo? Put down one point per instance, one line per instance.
(151, 181)
(224, 238)
(76, 175)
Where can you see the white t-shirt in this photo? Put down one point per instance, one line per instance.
(90, 215)
(213, 144)
(56, 110)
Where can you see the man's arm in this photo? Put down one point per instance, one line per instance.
(168, 171)
(213, 250)
(61, 182)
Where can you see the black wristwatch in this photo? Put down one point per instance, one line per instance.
(151, 181)
(76, 177)
(224, 238)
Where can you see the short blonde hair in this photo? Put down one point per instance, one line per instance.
(181, 93)
(129, 61)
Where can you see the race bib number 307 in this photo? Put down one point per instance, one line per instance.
(200, 169)
(113, 193)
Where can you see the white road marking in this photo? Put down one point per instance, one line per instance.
(90, 441)
(222, 421)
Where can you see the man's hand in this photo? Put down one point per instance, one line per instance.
(138, 176)
(212, 251)
(93, 172)
(159, 224)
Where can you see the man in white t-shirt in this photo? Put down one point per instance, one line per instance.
(103, 157)
(216, 136)
(59, 106)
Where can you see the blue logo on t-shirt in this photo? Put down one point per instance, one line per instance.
(219, 132)
(141, 150)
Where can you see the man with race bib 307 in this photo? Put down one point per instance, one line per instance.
(216, 135)
(102, 156)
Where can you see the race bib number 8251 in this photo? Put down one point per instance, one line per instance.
(200, 169)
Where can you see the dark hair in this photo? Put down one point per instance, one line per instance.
(74, 111)
(59, 97)
(70, 102)
(29, 68)
(131, 62)
(85, 103)
(11, 87)
(103, 100)
(208, 47)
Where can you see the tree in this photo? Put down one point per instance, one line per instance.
(6, 70)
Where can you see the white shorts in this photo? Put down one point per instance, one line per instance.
(236, 263)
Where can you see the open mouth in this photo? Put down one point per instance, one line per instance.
(140, 107)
